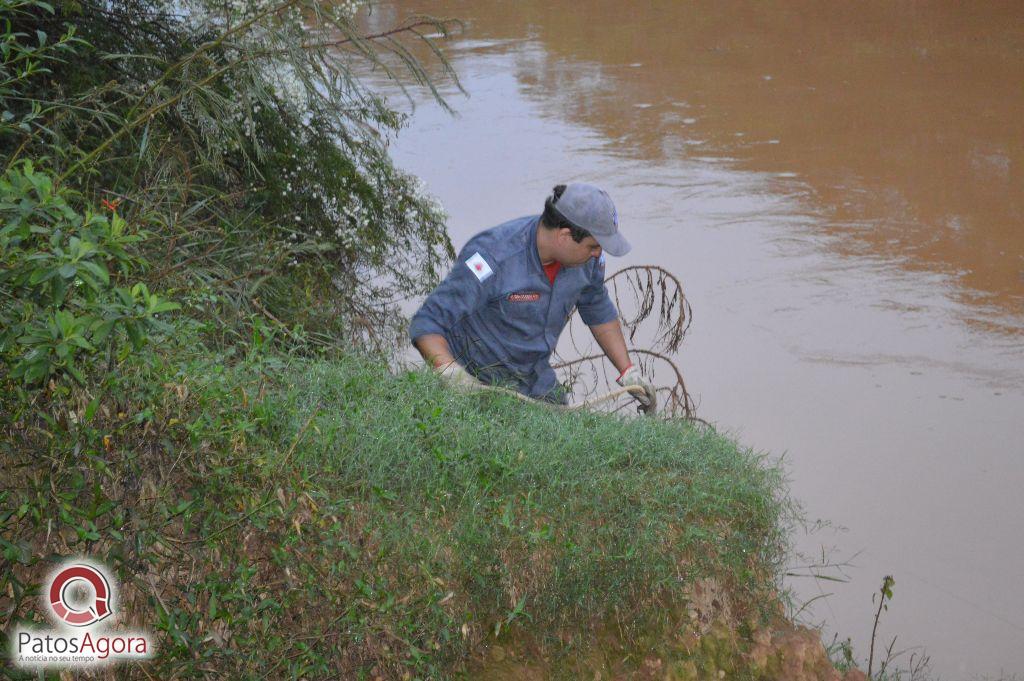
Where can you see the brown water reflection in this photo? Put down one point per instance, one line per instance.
(906, 120)
(839, 188)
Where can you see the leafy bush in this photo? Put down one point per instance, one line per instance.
(60, 270)
(240, 135)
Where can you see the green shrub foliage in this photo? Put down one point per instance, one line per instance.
(66, 276)
(231, 159)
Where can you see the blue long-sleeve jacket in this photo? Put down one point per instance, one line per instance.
(500, 314)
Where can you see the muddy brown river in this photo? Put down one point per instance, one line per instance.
(840, 188)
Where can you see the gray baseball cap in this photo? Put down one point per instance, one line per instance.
(590, 208)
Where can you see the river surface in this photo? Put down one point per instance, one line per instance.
(840, 188)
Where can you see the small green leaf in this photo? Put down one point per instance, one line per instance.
(80, 342)
(97, 270)
(90, 409)
(134, 334)
(81, 379)
(164, 306)
(40, 275)
(102, 330)
(125, 295)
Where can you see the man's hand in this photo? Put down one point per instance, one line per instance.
(648, 398)
(458, 378)
(434, 349)
(609, 337)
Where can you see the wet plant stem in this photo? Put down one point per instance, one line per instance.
(885, 593)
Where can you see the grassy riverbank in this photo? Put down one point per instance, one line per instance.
(289, 518)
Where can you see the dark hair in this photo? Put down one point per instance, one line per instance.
(553, 219)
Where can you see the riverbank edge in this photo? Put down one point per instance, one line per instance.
(282, 517)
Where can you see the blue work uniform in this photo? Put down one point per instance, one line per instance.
(500, 313)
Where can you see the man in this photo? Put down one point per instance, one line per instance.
(497, 316)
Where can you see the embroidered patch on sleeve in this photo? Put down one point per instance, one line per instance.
(479, 267)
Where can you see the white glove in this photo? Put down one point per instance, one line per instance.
(456, 377)
(648, 399)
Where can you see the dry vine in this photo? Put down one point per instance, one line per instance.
(638, 291)
(674, 311)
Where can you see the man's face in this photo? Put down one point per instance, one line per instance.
(572, 254)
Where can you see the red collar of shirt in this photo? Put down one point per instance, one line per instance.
(551, 270)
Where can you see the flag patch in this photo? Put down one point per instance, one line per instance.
(479, 267)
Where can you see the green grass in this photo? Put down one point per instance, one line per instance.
(329, 518)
